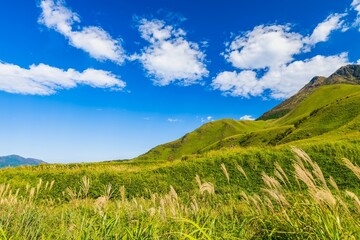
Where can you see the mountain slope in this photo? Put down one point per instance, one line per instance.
(15, 160)
(324, 106)
(349, 74)
(202, 137)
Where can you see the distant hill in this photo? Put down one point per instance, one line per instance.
(15, 160)
(324, 109)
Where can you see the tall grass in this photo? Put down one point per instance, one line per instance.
(311, 206)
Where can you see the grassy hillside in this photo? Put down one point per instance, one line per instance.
(202, 137)
(330, 108)
(253, 193)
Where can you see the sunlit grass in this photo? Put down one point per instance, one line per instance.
(300, 202)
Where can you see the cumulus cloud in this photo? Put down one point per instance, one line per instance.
(322, 31)
(46, 80)
(264, 46)
(93, 40)
(282, 82)
(247, 117)
(170, 57)
(287, 80)
(266, 61)
(243, 84)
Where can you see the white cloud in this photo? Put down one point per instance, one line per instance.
(323, 30)
(93, 40)
(170, 57)
(356, 6)
(282, 82)
(46, 80)
(207, 119)
(247, 117)
(243, 84)
(265, 57)
(264, 46)
(287, 80)
(172, 120)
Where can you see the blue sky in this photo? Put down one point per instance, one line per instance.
(111, 79)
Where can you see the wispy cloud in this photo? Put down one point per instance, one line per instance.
(170, 57)
(43, 79)
(323, 30)
(355, 5)
(173, 120)
(247, 117)
(91, 39)
(207, 119)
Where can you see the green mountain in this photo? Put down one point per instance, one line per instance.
(15, 160)
(324, 107)
(349, 74)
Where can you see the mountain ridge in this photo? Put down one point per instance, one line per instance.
(305, 115)
(16, 160)
(349, 74)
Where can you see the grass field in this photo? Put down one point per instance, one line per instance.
(300, 202)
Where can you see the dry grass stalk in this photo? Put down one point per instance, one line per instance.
(241, 170)
(279, 168)
(255, 204)
(85, 187)
(38, 186)
(31, 194)
(4, 188)
(245, 196)
(280, 177)
(71, 193)
(122, 194)
(51, 184)
(319, 174)
(225, 172)
(198, 180)
(324, 196)
(334, 185)
(354, 168)
(100, 205)
(194, 205)
(304, 175)
(272, 183)
(108, 191)
(277, 196)
(301, 154)
(355, 198)
(173, 193)
(269, 204)
(207, 187)
(152, 212)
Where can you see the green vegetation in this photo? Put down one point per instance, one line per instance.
(300, 202)
(226, 180)
(333, 110)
